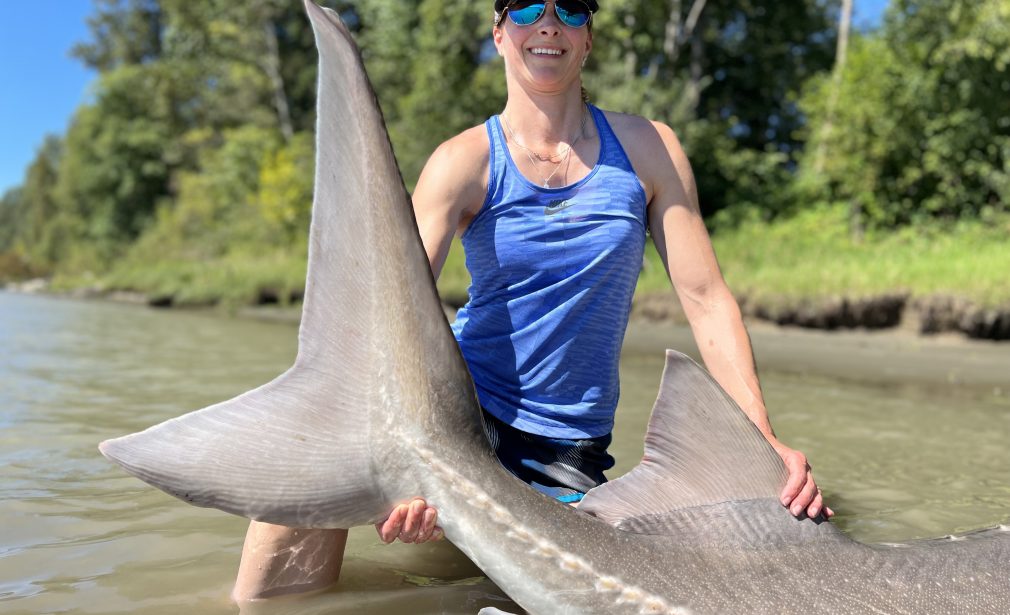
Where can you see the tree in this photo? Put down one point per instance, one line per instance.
(125, 32)
(10, 208)
(118, 161)
(444, 97)
(725, 75)
(285, 188)
(921, 116)
(38, 205)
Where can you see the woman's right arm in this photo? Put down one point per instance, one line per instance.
(450, 192)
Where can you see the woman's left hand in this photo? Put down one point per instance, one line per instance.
(800, 495)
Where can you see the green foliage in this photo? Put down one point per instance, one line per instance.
(37, 206)
(386, 35)
(195, 159)
(12, 263)
(811, 256)
(728, 89)
(441, 101)
(236, 229)
(454, 280)
(216, 206)
(285, 187)
(10, 208)
(920, 129)
(231, 281)
(126, 32)
(115, 165)
(752, 182)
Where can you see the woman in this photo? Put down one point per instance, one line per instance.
(553, 199)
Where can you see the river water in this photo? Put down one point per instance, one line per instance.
(900, 453)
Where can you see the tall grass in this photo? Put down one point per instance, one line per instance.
(807, 257)
(230, 281)
(812, 256)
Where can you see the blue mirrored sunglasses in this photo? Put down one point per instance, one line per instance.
(572, 13)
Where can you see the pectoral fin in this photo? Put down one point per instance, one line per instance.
(700, 449)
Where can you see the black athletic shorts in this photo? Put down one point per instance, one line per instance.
(559, 467)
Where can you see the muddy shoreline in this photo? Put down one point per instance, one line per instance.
(892, 357)
(899, 355)
(928, 315)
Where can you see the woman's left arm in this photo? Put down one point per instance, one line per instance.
(683, 242)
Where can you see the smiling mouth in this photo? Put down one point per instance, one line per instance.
(546, 52)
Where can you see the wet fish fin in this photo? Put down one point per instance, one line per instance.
(369, 282)
(377, 366)
(278, 453)
(700, 450)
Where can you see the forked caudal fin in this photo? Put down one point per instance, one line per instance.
(700, 450)
(377, 364)
(263, 455)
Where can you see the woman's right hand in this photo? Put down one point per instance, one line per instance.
(413, 522)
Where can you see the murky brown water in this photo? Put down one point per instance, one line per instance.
(898, 460)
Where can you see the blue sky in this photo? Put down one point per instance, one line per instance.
(43, 85)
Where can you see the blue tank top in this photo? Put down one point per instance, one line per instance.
(553, 271)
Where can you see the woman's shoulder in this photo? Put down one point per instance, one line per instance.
(651, 146)
(637, 130)
(468, 150)
(456, 174)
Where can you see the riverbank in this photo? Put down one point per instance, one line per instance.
(805, 271)
(885, 357)
(930, 315)
(897, 356)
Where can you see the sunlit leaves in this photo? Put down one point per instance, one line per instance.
(920, 129)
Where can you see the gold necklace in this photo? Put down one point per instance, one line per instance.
(530, 153)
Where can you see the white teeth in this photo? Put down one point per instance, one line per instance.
(541, 51)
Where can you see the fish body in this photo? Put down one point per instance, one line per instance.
(379, 407)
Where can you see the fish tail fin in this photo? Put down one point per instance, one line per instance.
(332, 443)
(277, 454)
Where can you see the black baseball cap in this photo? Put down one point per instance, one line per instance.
(499, 5)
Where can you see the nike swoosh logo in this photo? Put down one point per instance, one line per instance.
(556, 206)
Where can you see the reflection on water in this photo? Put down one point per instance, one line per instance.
(78, 535)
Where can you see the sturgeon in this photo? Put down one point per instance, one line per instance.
(379, 407)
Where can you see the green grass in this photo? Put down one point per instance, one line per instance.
(454, 280)
(811, 256)
(805, 258)
(230, 281)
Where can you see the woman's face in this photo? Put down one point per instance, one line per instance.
(544, 56)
